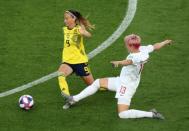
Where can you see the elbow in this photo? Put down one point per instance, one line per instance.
(156, 47)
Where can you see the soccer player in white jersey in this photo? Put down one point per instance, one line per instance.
(126, 84)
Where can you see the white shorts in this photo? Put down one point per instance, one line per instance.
(124, 93)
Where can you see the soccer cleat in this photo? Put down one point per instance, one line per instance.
(157, 115)
(66, 106)
(69, 102)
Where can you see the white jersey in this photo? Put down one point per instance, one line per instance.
(130, 74)
(126, 84)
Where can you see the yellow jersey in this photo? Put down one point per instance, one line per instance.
(74, 51)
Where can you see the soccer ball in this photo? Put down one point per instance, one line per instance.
(26, 102)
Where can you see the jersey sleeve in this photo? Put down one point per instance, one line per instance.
(147, 49)
(138, 58)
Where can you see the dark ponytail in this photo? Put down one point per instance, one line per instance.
(82, 20)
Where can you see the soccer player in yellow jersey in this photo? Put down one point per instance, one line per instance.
(74, 59)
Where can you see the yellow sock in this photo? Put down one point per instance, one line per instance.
(63, 85)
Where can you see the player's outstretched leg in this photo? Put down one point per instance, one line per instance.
(132, 113)
(90, 90)
(135, 114)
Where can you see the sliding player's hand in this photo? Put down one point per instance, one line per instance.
(115, 63)
(168, 42)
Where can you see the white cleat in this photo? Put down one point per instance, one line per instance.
(69, 102)
(66, 106)
(157, 115)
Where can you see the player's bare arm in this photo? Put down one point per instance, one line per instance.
(121, 63)
(158, 46)
(84, 32)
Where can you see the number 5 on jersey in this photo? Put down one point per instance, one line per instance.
(87, 70)
(68, 43)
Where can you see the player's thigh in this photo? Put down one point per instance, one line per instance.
(109, 83)
(65, 69)
(122, 107)
(84, 72)
(124, 96)
(88, 79)
(113, 83)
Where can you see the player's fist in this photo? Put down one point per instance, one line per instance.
(115, 63)
(168, 42)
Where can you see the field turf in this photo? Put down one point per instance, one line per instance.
(31, 42)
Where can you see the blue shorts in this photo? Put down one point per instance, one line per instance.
(81, 69)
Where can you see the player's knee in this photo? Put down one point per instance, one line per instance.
(89, 80)
(60, 68)
(64, 70)
(61, 73)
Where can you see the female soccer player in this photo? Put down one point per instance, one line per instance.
(74, 59)
(126, 84)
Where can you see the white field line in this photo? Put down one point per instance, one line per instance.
(132, 6)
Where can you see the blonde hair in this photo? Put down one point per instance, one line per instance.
(133, 40)
(80, 19)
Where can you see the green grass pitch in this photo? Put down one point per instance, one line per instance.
(31, 42)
